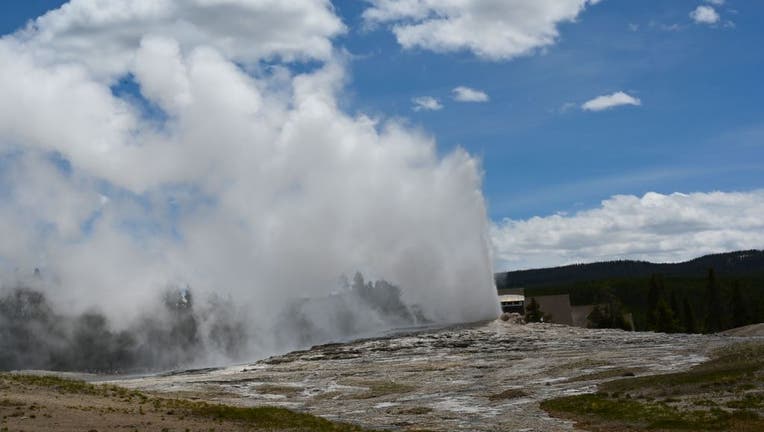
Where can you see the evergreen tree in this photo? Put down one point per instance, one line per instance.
(533, 311)
(689, 318)
(665, 319)
(714, 310)
(757, 307)
(738, 307)
(674, 305)
(597, 318)
(615, 315)
(656, 292)
(609, 315)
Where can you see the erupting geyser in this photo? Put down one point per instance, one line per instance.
(190, 198)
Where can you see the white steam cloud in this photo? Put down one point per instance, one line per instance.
(234, 176)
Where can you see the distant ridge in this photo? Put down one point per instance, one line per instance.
(740, 263)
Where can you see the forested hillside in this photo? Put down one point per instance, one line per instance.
(707, 294)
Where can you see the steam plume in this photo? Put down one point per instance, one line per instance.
(145, 147)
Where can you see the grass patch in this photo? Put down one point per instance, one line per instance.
(749, 401)
(61, 385)
(599, 408)
(271, 418)
(729, 368)
(709, 396)
(71, 386)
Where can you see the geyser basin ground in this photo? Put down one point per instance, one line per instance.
(478, 378)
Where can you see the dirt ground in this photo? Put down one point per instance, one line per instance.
(25, 407)
(48, 403)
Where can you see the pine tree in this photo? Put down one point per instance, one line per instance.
(653, 295)
(738, 307)
(597, 318)
(533, 311)
(674, 305)
(665, 319)
(689, 318)
(713, 304)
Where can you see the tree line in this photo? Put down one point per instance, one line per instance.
(737, 264)
(668, 304)
(717, 307)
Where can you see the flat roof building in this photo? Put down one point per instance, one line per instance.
(512, 303)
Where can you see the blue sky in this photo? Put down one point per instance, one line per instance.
(700, 126)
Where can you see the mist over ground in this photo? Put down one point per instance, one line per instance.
(152, 152)
(179, 331)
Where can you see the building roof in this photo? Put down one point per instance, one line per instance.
(511, 298)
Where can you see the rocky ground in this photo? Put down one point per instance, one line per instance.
(484, 377)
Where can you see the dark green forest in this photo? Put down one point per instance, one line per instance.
(704, 295)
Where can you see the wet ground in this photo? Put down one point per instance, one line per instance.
(485, 377)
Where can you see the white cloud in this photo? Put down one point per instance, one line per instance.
(671, 27)
(655, 227)
(567, 106)
(254, 186)
(604, 102)
(704, 15)
(490, 29)
(426, 103)
(466, 94)
(716, 2)
(103, 34)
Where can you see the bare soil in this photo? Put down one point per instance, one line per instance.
(34, 408)
(49, 403)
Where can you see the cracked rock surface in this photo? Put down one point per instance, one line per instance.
(483, 377)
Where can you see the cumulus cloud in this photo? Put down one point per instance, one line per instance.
(426, 103)
(705, 15)
(466, 94)
(605, 102)
(103, 34)
(654, 227)
(251, 185)
(490, 29)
